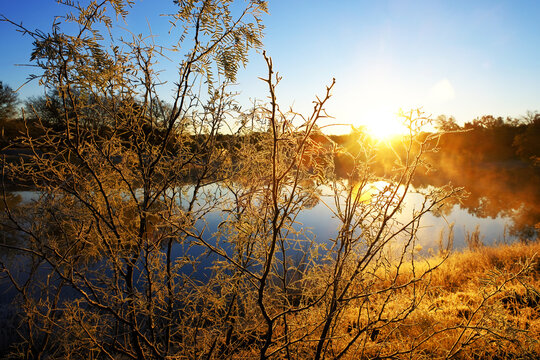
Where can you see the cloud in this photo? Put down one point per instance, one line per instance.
(442, 92)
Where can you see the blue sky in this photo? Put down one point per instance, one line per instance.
(460, 58)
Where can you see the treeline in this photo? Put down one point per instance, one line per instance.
(484, 139)
(48, 114)
(493, 139)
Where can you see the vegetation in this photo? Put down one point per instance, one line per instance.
(8, 101)
(482, 304)
(121, 259)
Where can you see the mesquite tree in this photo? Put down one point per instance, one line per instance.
(111, 173)
(169, 229)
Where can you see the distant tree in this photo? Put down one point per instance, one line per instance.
(8, 102)
(47, 108)
(529, 117)
(444, 123)
(485, 122)
(513, 122)
(527, 143)
(492, 122)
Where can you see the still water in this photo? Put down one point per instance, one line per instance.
(502, 205)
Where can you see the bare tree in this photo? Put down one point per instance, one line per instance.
(121, 257)
(111, 179)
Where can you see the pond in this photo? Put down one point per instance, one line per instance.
(502, 205)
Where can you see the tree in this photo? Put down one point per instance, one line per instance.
(123, 261)
(489, 122)
(8, 102)
(110, 175)
(526, 143)
(46, 108)
(446, 124)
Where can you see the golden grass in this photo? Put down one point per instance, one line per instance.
(468, 267)
(487, 309)
(479, 304)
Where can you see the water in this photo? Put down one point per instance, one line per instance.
(492, 230)
(502, 202)
(502, 205)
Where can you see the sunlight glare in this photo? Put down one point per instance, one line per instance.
(384, 124)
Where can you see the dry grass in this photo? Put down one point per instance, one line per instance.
(468, 267)
(479, 304)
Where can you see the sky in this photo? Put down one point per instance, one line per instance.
(458, 58)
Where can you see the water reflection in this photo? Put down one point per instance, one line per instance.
(503, 191)
(8, 235)
(503, 202)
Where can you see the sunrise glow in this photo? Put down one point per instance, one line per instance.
(257, 179)
(384, 124)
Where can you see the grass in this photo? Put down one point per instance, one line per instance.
(480, 303)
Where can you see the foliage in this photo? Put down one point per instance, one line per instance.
(490, 138)
(122, 259)
(527, 144)
(443, 123)
(8, 102)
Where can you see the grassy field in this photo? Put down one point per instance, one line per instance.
(475, 304)
(479, 304)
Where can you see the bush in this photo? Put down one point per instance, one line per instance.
(121, 259)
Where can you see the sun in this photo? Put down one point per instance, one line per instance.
(384, 124)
